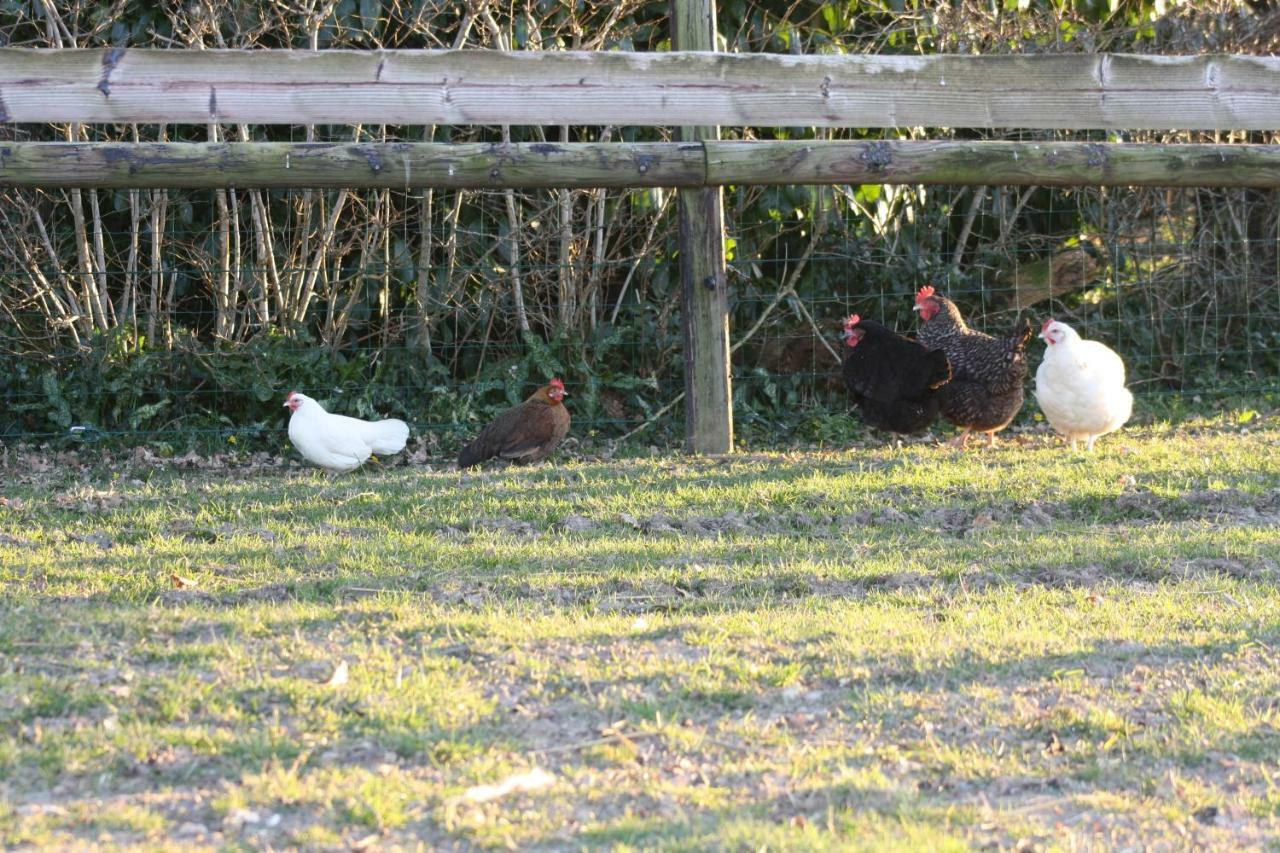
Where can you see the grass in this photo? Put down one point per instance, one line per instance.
(887, 647)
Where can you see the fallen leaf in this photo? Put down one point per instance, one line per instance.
(339, 676)
(179, 582)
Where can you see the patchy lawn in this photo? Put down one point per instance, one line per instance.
(881, 647)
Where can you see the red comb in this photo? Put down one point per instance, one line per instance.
(290, 395)
(853, 320)
(1046, 325)
(556, 383)
(924, 293)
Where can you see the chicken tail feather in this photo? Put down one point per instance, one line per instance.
(386, 437)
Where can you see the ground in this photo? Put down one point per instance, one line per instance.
(878, 647)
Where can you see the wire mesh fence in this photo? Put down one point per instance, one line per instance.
(1182, 283)
(184, 317)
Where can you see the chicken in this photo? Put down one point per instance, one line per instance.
(524, 433)
(894, 381)
(987, 373)
(338, 443)
(1080, 385)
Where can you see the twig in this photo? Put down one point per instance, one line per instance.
(567, 278)
(513, 248)
(818, 332)
(513, 216)
(596, 210)
(572, 747)
(421, 337)
(128, 311)
(653, 418)
(974, 203)
(312, 274)
(788, 289)
(1006, 225)
(379, 590)
(644, 253)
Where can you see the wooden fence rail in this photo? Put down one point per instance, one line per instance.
(469, 87)
(402, 165)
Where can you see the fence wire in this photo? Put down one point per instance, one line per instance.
(181, 318)
(413, 304)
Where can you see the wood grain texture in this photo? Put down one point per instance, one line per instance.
(993, 163)
(201, 165)
(704, 290)
(620, 164)
(694, 88)
(399, 165)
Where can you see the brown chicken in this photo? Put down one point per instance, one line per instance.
(985, 392)
(524, 433)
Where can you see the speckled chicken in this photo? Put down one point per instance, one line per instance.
(524, 433)
(986, 388)
(893, 380)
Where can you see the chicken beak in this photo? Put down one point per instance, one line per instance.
(915, 307)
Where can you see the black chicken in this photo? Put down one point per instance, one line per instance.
(894, 381)
(985, 392)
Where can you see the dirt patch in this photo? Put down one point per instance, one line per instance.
(576, 524)
(1230, 567)
(90, 501)
(346, 532)
(191, 532)
(99, 538)
(15, 541)
(1223, 505)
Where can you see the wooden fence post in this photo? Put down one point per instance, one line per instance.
(705, 304)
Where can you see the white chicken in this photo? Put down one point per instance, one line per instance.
(336, 442)
(1080, 385)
